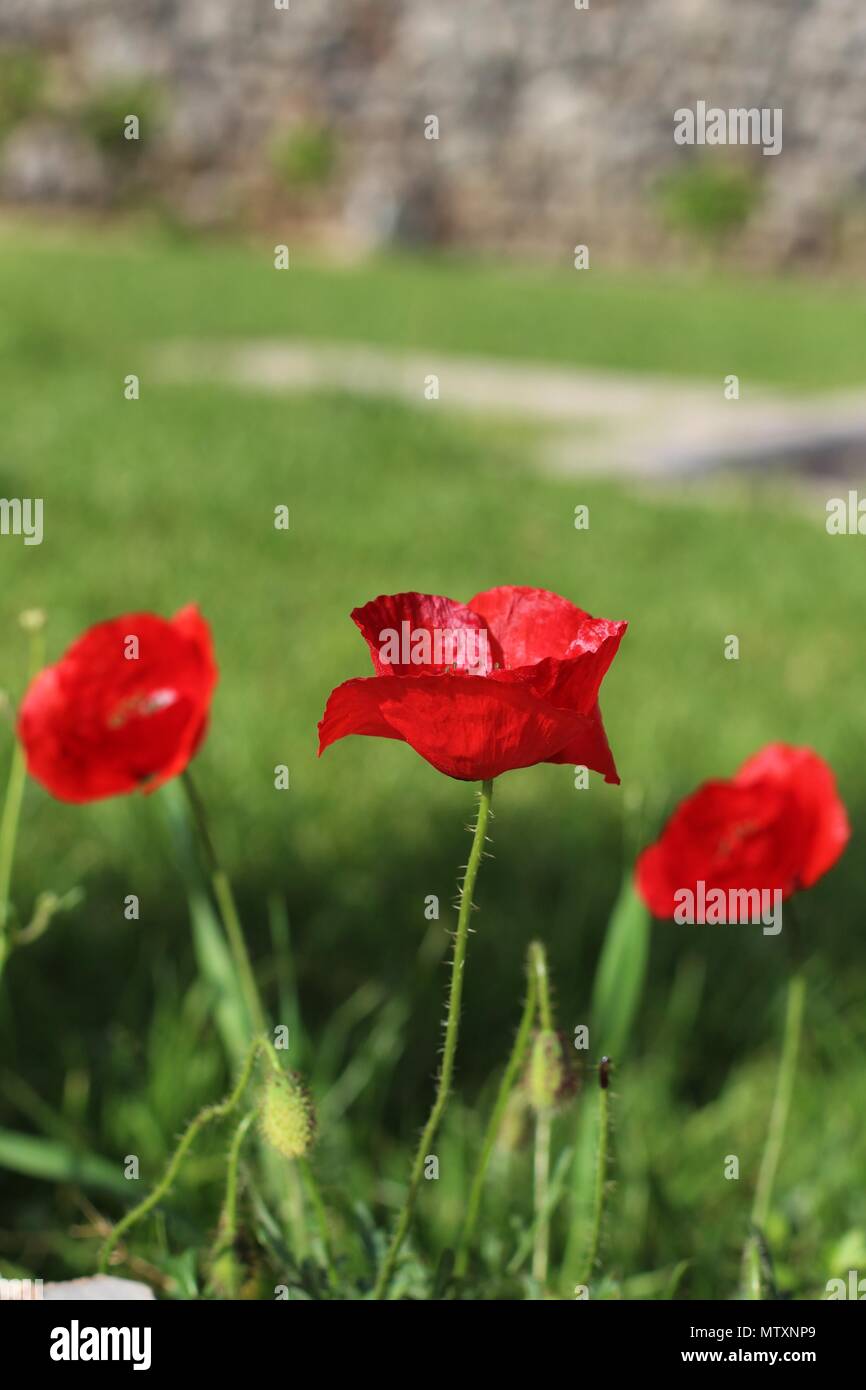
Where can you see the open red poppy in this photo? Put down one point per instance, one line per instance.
(124, 708)
(778, 825)
(507, 681)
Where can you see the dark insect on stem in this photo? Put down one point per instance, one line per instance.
(604, 1072)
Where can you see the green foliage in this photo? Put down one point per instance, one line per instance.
(117, 292)
(710, 201)
(54, 1161)
(621, 972)
(305, 157)
(22, 83)
(118, 1032)
(104, 113)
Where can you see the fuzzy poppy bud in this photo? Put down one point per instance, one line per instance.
(513, 1129)
(550, 1080)
(286, 1116)
(32, 620)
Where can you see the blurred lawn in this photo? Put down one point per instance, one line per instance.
(96, 292)
(154, 503)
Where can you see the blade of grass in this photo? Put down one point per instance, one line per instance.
(621, 973)
(215, 965)
(213, 956)
(287, 983)
(54, 1161)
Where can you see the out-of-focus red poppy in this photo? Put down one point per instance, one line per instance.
(125, 707)
(509, 680)
(777, 825)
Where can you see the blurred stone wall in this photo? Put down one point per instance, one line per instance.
(555, 124)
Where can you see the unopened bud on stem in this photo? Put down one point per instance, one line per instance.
(286, 1116)
(550, 1078)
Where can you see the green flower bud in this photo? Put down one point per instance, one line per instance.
(32, 619)
(286, 1116)
(550, 1078)
(513, 1130)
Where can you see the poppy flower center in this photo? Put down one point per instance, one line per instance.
(734, 836)
(143, 705)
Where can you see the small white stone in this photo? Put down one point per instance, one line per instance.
(103, 1288)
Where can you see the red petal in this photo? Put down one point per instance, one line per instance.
(98, 724)
(471, 728)
(354, 708)
(573, 683)
(531, 624)
(478, 729)
(778, 824)
(727, 836)
(591, 749)
(399, 627)
(809, 781)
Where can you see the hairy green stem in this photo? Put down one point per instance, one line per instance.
(541, 1177)
(543, 1125)
(775, 1140)
(230, 1206)
(225, 1266)
(781, 1101)
(314, 1197)
(506, 1085)
(538, 964)
(15, 796)
(225, 900)
(600, 1185)
(452, 1029)
(210, 1113)
(8, 837)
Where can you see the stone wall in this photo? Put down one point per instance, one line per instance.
(555, 124)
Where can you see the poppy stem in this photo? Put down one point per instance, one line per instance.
(314, 1197)
(543, 1124)
(538, 965)
(230, 1207)
(203, 1118)
(32, 622)
(600, 1177)
(540, 1184)
(8, 837)
(781, 1103)
(225, 900)
(224, 1256)
(506, 1085)
(452, 1028)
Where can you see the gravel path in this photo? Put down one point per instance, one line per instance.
(604, 421)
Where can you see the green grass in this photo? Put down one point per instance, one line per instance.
(104, 293)
(154, 503)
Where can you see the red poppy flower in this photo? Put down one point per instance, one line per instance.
(777, 825)
(510, 680)
(114, 714)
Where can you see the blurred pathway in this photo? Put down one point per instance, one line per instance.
(605, 421)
